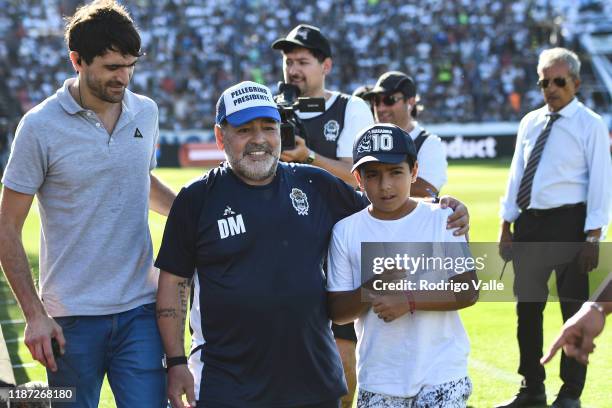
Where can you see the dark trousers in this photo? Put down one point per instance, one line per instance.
(548, 234)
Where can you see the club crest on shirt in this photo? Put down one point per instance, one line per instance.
(331, 130)
(299, 201)
(365, 145)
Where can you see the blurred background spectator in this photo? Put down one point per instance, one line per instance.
(473, 59)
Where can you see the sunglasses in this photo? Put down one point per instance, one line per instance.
(387, 100)
(559, 81)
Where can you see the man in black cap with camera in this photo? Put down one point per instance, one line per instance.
(328, 142)
(393, 100)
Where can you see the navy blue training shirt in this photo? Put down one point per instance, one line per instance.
(258, 252)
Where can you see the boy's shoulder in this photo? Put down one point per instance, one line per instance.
(434, 210)
(437, 220)
(350, 221)
(422, 210)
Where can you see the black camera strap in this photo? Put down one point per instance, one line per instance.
(420, 139)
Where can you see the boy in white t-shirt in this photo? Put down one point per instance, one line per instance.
(412, 349)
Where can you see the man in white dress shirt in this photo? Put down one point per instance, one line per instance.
(558, 191)
(393, 99)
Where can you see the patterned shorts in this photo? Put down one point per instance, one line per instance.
(452, 394)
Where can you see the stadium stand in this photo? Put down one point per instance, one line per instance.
(473, 59)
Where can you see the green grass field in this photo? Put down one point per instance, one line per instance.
(491, 326)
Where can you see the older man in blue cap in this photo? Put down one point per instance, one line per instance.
(252, 234)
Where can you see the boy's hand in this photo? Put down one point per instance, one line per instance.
(390, 306)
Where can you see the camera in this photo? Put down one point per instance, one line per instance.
(288, 101)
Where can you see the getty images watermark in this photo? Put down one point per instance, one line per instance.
(428, 269)
(389, 267)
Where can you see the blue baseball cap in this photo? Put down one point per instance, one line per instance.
(245, 102)
(383, 143)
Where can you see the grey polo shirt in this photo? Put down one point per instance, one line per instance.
(93, 198)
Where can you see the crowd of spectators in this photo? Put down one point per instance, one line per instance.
(473, 60)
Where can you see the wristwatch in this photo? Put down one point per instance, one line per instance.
(311, 157)
(169, 362)
(598, 307)
(592, 239)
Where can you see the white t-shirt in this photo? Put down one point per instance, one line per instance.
(432, 159)
(356, 117)
(422, 349)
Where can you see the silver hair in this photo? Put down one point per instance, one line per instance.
(551, 56)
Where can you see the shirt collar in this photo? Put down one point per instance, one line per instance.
(72, 107)
(569, 109)
(128, 105)
(66, 100)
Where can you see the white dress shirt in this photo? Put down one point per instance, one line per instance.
(431, 158)
(575, 165)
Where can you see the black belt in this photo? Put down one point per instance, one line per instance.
(549, 211)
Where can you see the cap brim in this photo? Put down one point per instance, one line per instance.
(246, 115)
(376, 91)
(380, 158)
(284, 43)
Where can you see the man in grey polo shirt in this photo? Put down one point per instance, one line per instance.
(86, 153)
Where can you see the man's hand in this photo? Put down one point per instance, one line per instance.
(505, 242)
(577, 335)
(298, 154)
(180, 382)
(588, 258)
(38, 334)
(389, 307)
(459, 219)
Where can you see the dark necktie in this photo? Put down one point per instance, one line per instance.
(524, 194)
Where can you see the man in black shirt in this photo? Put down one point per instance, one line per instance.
(252, 234)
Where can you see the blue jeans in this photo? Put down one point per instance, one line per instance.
(126, 346)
